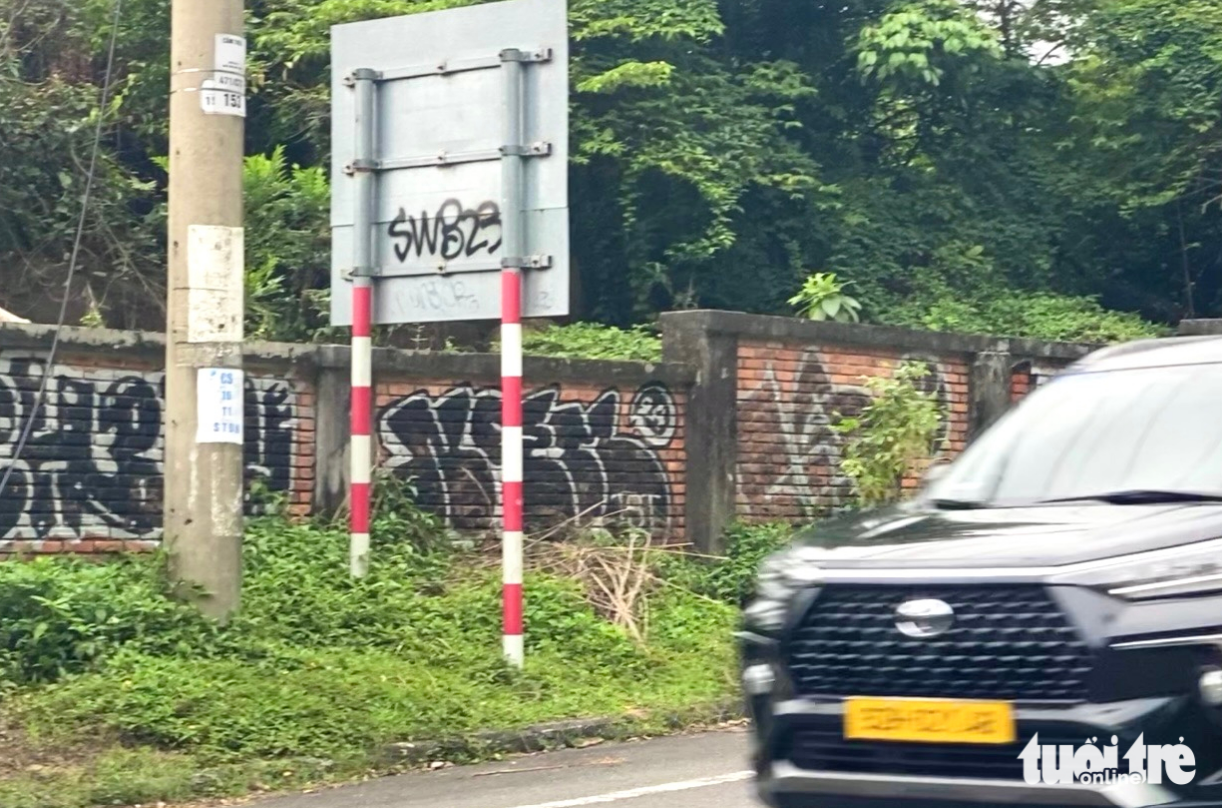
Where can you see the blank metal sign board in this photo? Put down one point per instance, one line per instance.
(439, 125)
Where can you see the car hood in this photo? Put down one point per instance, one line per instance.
(917, 535)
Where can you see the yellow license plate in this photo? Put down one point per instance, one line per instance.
(929, 721)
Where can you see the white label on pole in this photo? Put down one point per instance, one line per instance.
(217, 101)
(224, 92)
(232, 82)
(220, 396)
(215, 286)
(230, 54)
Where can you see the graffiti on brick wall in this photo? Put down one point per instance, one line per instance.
(580, 459)
(789, 455)
(93, 457)
(93, 462)
(793, 454)
(270, 420)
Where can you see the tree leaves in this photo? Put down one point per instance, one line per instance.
(628, 74)
(924, 150)
(918, 41)
(822, 298)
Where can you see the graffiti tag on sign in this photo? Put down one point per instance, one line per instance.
(452, 232)
(443, 295)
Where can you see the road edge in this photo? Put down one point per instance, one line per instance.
(472, 747)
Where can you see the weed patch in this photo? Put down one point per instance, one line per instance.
(729, 579)
(322, 668)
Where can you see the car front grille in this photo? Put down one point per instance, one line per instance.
(827, 750)
(1007, 642)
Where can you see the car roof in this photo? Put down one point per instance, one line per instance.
(1160, 352)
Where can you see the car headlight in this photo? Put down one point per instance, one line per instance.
(780, 576)
(1174, 572)
(770, 583)
(786, 571)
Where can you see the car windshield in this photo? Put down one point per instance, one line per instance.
(1136, 433)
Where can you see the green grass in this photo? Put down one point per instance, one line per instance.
(143, 776)
(117, 695)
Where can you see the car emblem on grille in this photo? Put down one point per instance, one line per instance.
(924, 618)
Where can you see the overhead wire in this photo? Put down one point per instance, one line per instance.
(90, 175)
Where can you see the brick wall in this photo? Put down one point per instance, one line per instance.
(89, 479)
(593, 452)
(789, 395)
(604, 442)
(787, 381)
(1028, 375)
(735, 424)
(1020, 384)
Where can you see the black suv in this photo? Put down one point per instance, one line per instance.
(1061, 580)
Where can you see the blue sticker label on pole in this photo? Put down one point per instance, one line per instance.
(219, 396)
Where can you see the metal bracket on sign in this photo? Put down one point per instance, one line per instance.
(361, 74)
(348, 273)
(447, 268)
(442, 160)
(361, 165)
(527, 262)
(450, 68)
(539, 149)
(515, 55)
(432, 270)
(445, 159)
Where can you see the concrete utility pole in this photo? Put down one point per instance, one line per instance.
(204, 382)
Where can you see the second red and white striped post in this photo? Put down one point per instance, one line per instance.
(511, 461)
(513, 248)
(361, 443)
(362, 434)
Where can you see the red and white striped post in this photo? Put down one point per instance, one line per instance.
(511, 461)
(512, 244)
(361, 443)
(362, 435)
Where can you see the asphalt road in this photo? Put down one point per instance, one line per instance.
(694, 771)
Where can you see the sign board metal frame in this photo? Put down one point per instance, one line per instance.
(450, 202)
(426, 157)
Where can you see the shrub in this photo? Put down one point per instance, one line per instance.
(894, 431)
(64, 615)
(593, 341)
(318, 663)
(325, 666)
(1039, 315)
(822, 297)
(322, 665)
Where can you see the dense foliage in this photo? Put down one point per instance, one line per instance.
(990, 165)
